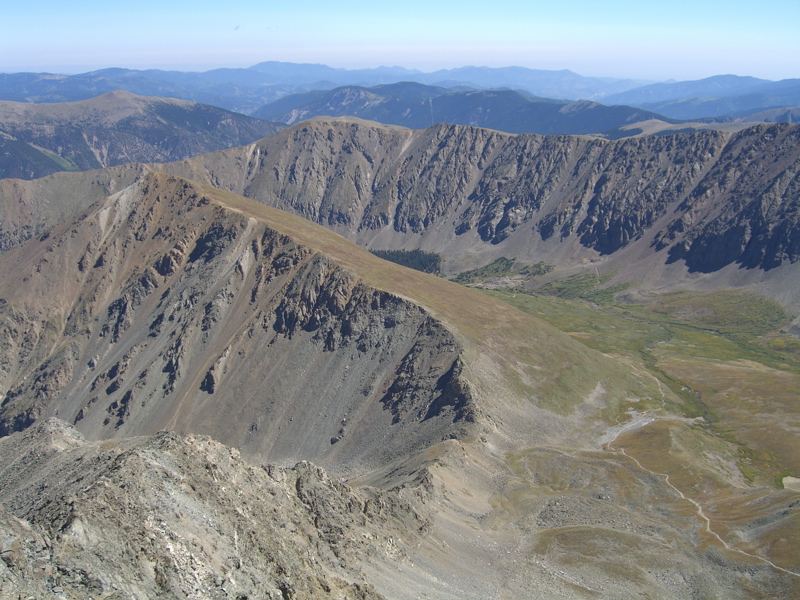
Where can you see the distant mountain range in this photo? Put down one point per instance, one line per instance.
(115, 128)
(712, 97)
(419, 106)
(246, 90)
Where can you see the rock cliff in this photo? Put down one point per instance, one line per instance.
(707, 198)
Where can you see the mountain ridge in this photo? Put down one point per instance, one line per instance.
(510, 195)
(474, 194)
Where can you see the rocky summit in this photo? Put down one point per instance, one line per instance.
(205, 396)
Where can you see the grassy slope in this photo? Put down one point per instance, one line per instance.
(717, 351)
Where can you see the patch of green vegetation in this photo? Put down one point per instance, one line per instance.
(584, 287)
(23, 160)
(739, 315)
(65, 164)
(536, 269)
(502, 267)
(571, 287)
(427, 262)
(605, 295)
(784, 344)
(719, 332)
(779, 478)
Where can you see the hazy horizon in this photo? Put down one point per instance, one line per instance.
(680, 40)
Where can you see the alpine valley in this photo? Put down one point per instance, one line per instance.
(211, 388)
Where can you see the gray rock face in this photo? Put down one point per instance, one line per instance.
(173, 517)
(708, 198)
(173, 312)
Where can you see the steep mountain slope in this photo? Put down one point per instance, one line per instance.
(418, 106)
(173, 312)
(116, 128)
(507, 455)
(706, 200)
(30, 208)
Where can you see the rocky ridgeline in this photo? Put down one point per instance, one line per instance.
(708, 198)
(167, 516)
(159, 308)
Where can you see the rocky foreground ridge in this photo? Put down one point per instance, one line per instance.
(166, 516)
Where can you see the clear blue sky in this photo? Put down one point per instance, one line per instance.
(679, 39)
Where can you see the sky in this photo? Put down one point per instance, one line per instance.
(653, 40)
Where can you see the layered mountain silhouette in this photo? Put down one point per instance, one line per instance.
(246, 90)
(713, 97)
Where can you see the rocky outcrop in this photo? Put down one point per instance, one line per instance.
(167, 516)
(754, 193)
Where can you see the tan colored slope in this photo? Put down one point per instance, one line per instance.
(109, 108)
